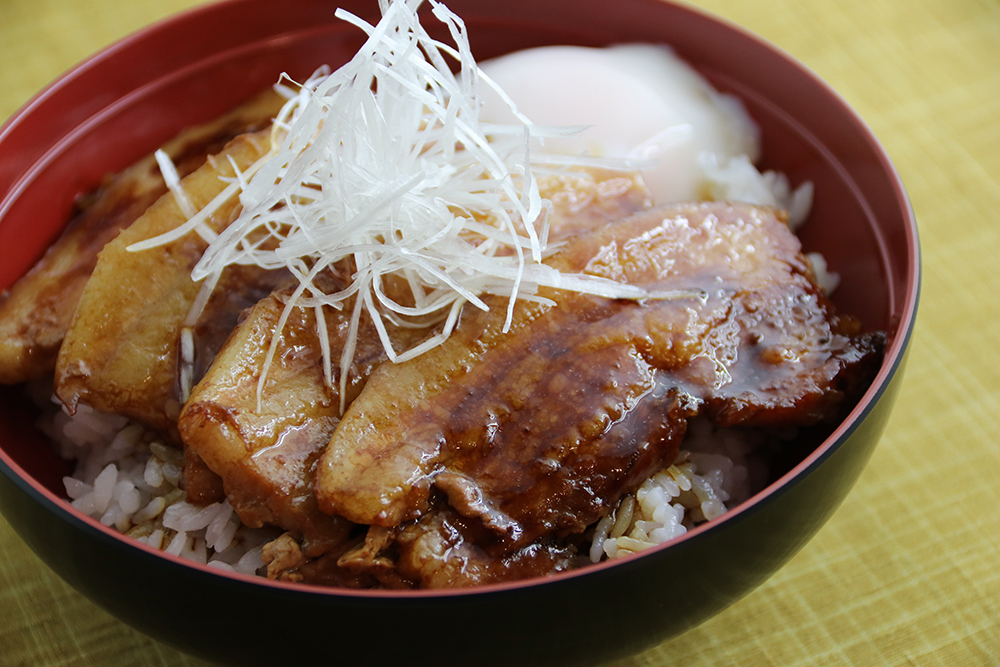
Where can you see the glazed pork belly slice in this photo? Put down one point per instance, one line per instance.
(266, 450)
(36, 311)
(121, 353)
(586, 199)
(539, 431)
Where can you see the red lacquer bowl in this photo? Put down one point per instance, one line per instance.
(124, 102)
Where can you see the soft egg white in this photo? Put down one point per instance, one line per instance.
(637, 101)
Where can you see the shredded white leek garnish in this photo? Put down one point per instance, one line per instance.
(384, 163)
(173, 183)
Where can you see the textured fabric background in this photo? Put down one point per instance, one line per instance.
(908, 570)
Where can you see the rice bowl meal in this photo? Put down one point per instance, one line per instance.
(412, 323)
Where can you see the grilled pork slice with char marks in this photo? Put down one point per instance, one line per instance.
(36, 311)
(540, 431)
(122, 351)
(265, 446)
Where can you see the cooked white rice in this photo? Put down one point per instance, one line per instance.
(716, 470)
(128, 479)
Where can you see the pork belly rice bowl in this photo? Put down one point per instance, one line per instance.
(859, 223)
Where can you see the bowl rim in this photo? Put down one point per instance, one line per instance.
(892, 363)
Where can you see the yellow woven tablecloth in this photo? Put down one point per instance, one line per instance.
(908, 570)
